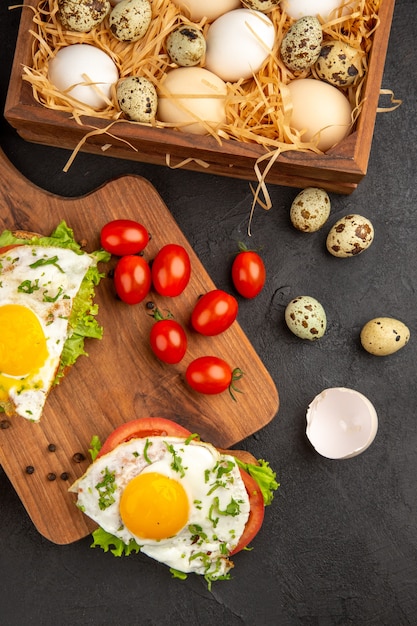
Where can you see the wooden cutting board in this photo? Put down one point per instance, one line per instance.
(120, 379)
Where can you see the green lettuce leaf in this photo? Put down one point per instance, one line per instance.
(106, 541)
(264, 476)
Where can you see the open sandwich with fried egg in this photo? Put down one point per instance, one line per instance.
(156, 488)
(47, 287)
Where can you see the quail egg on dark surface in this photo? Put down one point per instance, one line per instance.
(306, 318)
(382, 336)
(310, 209)
(350, 236)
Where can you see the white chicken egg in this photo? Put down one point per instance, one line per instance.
(238, 43)
(182, 502)
(195, 10)
(341, 423)
(319, 111)
(302, 8)
(37, 288)
(85, 73)
(190, 98)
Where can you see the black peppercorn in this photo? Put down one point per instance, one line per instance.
(78, 457)
(52, 447)
(51, 476)
(5, 424)
(30, 469)
(64, 476)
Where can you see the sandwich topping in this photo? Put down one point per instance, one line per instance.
(40, 280)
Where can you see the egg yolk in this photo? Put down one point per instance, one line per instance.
(22, 341)
(154, 506)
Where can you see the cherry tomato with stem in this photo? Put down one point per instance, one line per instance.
(248, 272)
(132, 279)
(171, 270)
(168, 339)
(122, 237)
(212, 375)
(214, 312)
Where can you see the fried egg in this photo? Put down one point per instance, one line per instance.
(37, 288)
(183, 502)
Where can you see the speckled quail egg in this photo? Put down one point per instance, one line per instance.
(301, 45)
(130, 19)
(339, 63)
(186, 45)
(261, 5)
(382, 336)
(350, 236)
(82, 15)
(310, 209)
(306, 318)
(137, 98)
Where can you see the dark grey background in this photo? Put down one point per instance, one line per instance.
(339, 543)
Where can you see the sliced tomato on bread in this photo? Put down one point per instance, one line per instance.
(160, 426)
(142, 428)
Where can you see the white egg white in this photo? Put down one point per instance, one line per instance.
(211, 480)
(44, 280)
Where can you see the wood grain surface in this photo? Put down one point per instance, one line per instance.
(120, 379)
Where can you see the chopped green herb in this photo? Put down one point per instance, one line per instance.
(148, 444)
(53, 260)
(176, 573)
(28, 286)
(106, 489)
(176, 464)
(47, 298)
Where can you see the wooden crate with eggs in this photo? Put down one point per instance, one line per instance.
(257, 89)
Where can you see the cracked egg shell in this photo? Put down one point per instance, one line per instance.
(341, 423)
(82, 15)
(301, 45)
(383, 336)
(306, 318)
(350, 236)
(338, 64)
(310, 209)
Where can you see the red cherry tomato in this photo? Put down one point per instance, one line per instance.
(256, 513)
(248, 273)
(214, 312)
(142, 428)
(132, 279)
(212, 375)
(168, 340)
(171, 270)
(121, 237)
